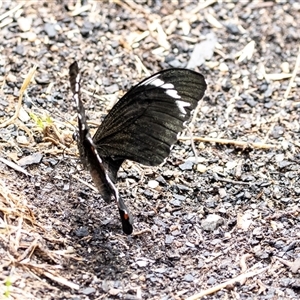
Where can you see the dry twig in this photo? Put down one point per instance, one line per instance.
(286, 94)
(14, 166)
(10, 12)
(223, 285)
(202, 5)
(146, 230)
(243, 264)
(22, 91)
(18, 251)
(229, 142)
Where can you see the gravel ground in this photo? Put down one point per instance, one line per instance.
(219, 218)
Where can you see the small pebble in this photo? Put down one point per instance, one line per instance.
(142, 263)
(227, 235)
(24, 23)
(88, 291)
(179, 197)
(201, 168)
(114, 292)
(285, 67)
(223, 67)
(211, 281)
(169, 239)
(211, 222)
(153, 184)
(22, 139)
(231, 164)
(31, 36)
(11, 78)
(134, 276)
(50, 30)
(54, 48)
(112, 89)
(176, 203)
(188, 278)
(23, 115)
(222, 193)
(188, 165)
(185, 26)
(285, 144)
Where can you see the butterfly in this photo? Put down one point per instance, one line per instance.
(142, 126)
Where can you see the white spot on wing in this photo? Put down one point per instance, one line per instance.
(97, 177)
(78, 77)
(76, 98)
(157, 82)
(91, 142)
(173, 94)
(167, 86)
(181, 105)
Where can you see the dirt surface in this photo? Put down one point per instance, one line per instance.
(232, 212)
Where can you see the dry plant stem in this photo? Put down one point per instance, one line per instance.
(192, 127)
(14, 166)
(143, 67)
(294, 266)
(29, 251)
(243, 265)
(40, 270)
(202, 5)
(124, 5)
(10, 12)
(79, 9)
(99, 97)
(61, 280)
(13, 202)
(23, 89)
(233, 181)
(286, 94)
(295, 71)
(193, 144)
(13, 207)
(239, 278)
(131, 6)
(142, 232)
(24, 128)
(85, 183)
(54, 142)
(230, 142)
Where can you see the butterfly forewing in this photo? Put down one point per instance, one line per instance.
(145, 122)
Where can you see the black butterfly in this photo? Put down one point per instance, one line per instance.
(142, 127)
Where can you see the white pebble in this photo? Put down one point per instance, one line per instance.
(285, 67)
(223, 67)
(153, 184)
(201, 168)
(24, 23)
(22, 139)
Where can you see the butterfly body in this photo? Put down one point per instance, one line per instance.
(142, 126)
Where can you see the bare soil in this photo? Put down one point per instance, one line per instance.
(224, 220)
